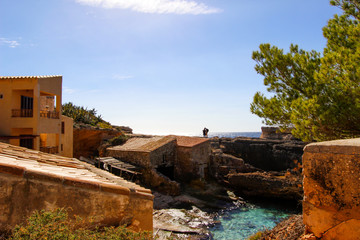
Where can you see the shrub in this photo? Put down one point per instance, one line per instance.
(84, 115)
(119, 140)
(53, 225)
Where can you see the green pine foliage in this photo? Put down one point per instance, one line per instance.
(84, 115)
(56, 225)
(316, 95)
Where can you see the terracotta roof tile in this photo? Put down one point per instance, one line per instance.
(19, 77)
(184, 141)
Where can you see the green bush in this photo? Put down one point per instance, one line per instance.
(119, 140)
(53, 225)
(84, 115)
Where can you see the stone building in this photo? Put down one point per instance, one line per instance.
(32, 180)
(154, 152)
(192, 158)
(178, 158)
(30, 108)
(156, 158)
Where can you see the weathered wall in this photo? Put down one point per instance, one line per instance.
(67, 137)
(22, 192)
(269, 155)
(87, 140)
(192, 162)
(157, 181)
(141, 159)
(331, 205)
(164, 155)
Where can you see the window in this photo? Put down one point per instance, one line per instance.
(1, 96)
(62, 147)
(27, 142)
(62, 127)
(26, 102)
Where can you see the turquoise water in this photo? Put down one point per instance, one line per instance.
(242, 222)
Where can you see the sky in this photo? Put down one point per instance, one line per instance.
(157, 66)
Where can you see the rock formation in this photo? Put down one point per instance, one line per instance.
(88, 139)
(269, 155)
(247, 165)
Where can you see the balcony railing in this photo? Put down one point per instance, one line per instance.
(22, 113)
(49, 114)
(51, 150)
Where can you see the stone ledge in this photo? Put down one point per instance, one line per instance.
(114, 189)
(12, 169)
(345, 146)
(37, 175)
(73, 182)
(142, 195)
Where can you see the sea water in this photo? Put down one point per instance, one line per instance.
(234, 134)
(242, 222)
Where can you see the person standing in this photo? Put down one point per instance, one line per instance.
(205, 132)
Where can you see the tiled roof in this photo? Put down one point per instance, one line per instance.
(19, 77)
(183, 141)
(144, 144)
(68, 171)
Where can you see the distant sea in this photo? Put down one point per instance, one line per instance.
(235, 134)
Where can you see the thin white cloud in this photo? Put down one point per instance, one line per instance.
(122, 77)
(9, 43)
(155, 6)
(68, 90)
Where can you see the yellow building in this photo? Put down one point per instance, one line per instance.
(30, 114)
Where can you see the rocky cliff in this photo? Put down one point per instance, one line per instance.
(258, 167)
(265, 154)
(88, 139)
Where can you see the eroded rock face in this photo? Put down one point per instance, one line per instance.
(266, 185)
(221, 164)
(331, 205)
(87, 140)
(231, 163)
(268, 155)
(182, 224)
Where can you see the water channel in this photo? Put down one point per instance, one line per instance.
(243, 221)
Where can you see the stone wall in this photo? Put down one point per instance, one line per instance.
(24, 191)
(331, 205)
(164, 155)
(192, 162)
(88, 140)
(140, 159)
(275, 133)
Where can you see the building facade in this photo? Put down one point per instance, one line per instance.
(30, 108)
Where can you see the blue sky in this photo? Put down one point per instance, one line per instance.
(158, 66)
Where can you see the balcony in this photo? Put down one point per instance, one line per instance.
(22, 113)
(51, 150)
(49, 114)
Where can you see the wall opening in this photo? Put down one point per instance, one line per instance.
(26, 142)
(167, 171)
